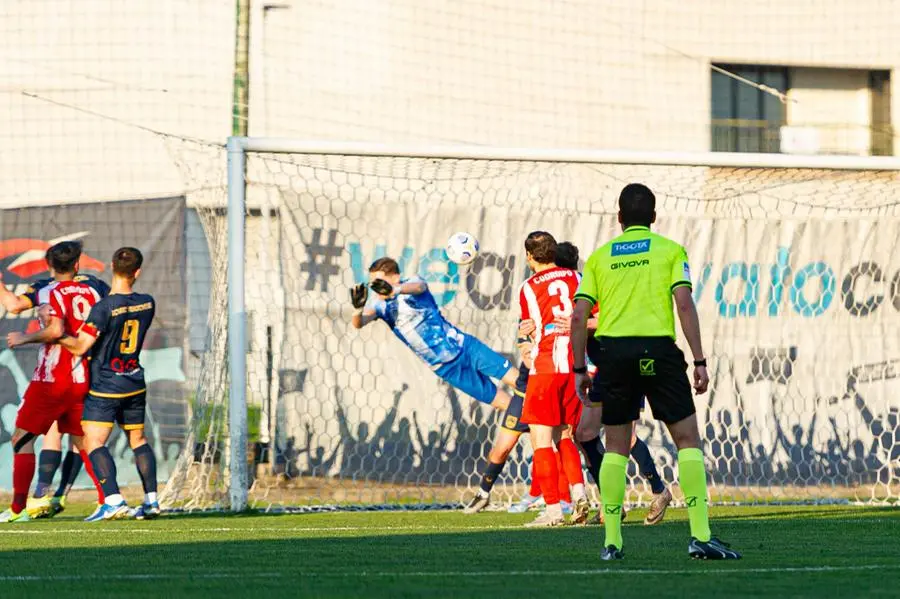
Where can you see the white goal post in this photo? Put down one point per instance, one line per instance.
(717, 200)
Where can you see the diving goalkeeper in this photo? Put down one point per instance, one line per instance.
(409, 309)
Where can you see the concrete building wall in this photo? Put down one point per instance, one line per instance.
(83, 83)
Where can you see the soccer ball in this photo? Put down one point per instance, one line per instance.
(462, 248)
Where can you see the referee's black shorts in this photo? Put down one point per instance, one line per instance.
(631, 368)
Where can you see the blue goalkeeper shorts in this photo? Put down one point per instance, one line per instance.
(472, 370)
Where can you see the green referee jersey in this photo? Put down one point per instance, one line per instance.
(632, 278)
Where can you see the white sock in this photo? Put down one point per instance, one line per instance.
(577, 492)
(554, 510)
(115, 499)
(481, 493)
(149, 497)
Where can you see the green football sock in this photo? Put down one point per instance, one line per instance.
(692, 476)
(612, 492)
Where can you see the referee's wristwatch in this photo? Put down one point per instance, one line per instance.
(698, 363)
(581, 370)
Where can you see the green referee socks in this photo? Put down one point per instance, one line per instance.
(692, 476)
(612, 492)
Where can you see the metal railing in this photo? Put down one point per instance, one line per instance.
(746, 135)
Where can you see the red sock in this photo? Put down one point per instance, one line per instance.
(23, 472)
(535, 490)
(571, 461)
(547, 473)
(89, 468)
(562, 481)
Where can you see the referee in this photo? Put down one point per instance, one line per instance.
(634, 278)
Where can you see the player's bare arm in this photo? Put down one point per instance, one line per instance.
(524, 343)
(50, 333)
(79, 345)
(44, 314)
(690, 326)
(580, 316)
(413, 288)
(525, 346)
(13, 303)
(526, 327)
(387, 288)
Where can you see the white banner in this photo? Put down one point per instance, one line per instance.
(801, 321)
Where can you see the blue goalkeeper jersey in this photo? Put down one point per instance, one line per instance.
(417, 321)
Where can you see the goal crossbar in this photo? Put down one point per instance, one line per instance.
(583, 156)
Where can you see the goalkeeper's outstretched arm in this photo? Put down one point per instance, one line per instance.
(361, 317)
(387, 289)
(417, 287)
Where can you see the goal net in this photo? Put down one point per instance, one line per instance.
(797, 286)
(796, 276)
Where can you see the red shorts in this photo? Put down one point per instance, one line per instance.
(550, 400)
(46, 403)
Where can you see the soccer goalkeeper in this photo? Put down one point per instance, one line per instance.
(409, 309)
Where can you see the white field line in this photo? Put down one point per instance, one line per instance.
(610, 571)
(153, 576)
(710, 571)
(26, 529)
(39, 529)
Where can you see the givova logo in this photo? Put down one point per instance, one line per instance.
(627, 248)
(629, 264)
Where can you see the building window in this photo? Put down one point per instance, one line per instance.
(744, 118)
(882, 131)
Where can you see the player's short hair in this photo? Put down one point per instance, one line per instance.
(542, 247)
(63, 256)
(127, 261)
(567, 255)
(637, 205)
(386, 265)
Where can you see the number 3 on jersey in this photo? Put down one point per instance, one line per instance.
(561, 289)
(129, 337)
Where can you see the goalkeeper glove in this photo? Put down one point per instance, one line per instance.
(358, 295)
(382, 287)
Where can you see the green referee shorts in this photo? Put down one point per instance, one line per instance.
(631, 368)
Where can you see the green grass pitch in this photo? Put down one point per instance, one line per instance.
(788, 552)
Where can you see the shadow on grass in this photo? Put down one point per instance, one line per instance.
(762, 512)
(233, 561)
(677, 516)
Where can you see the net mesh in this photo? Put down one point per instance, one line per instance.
(797, 279)
(106, 102)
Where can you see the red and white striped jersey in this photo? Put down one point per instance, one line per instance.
(71, 302)
(543, 298)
